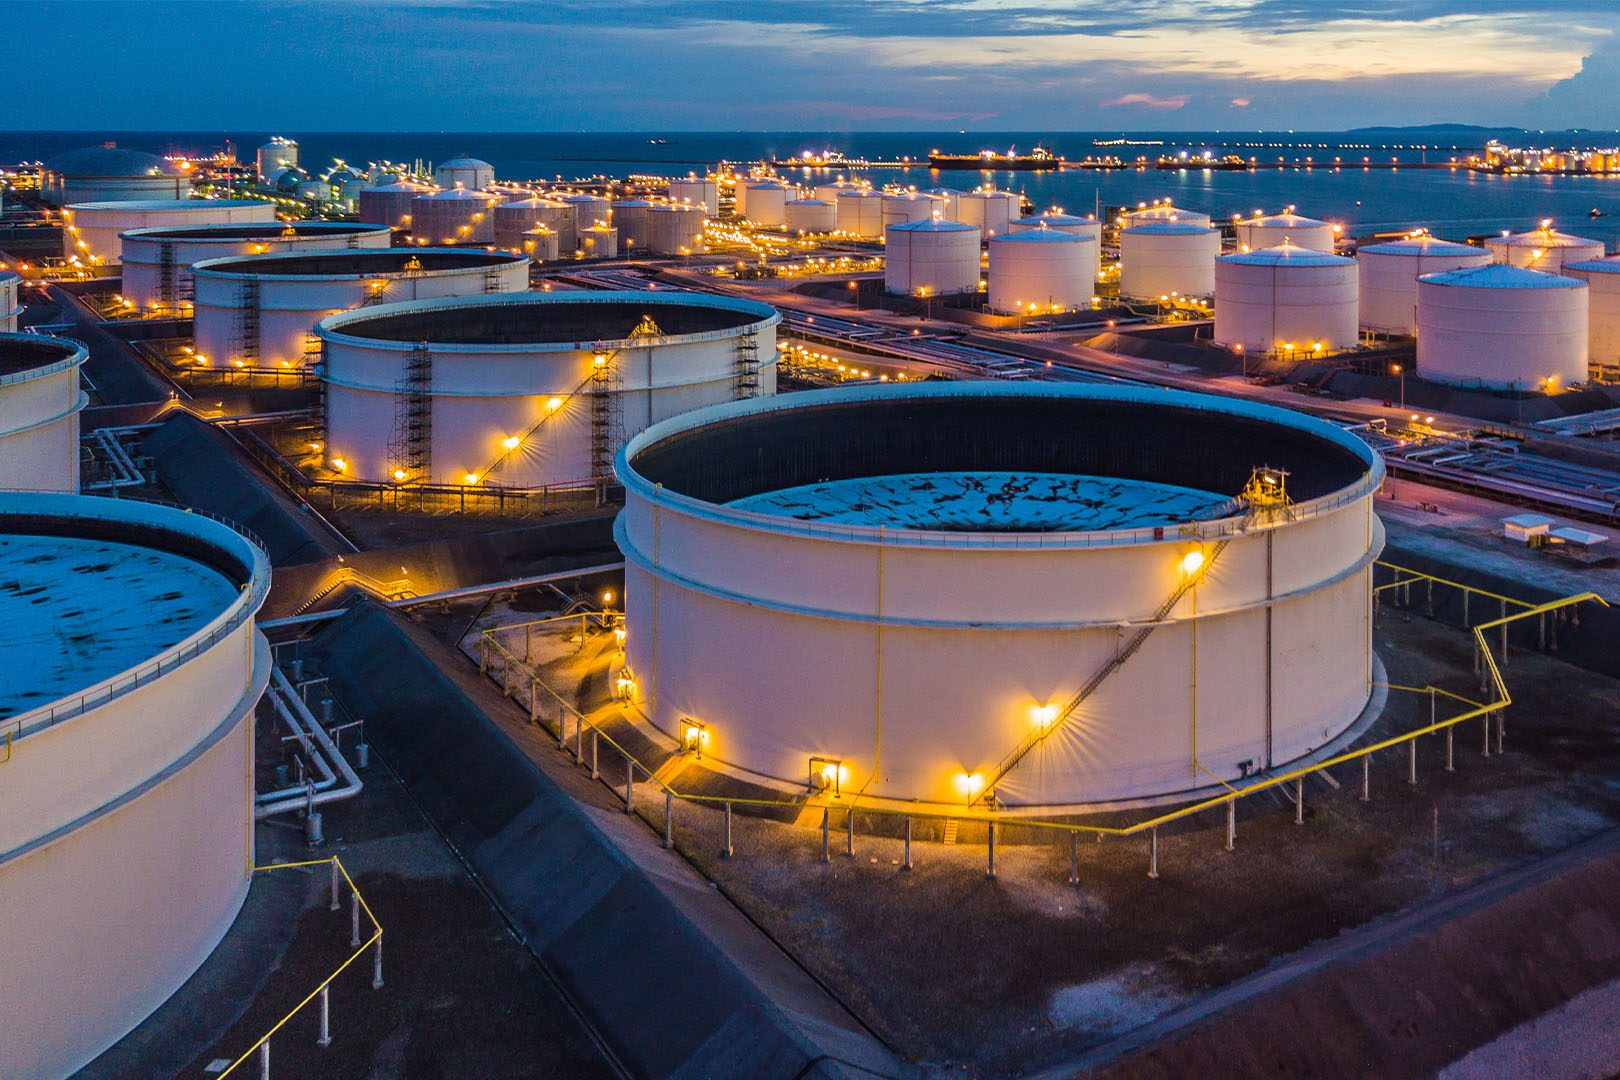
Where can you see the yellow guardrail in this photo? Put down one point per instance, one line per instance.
(1473, 710)
(374, 942)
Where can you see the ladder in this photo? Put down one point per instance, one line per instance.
(166, 270)
(492, 280)
(247, 322)
(747, 366)
(315, 362)
(607, 415)
(410, 443)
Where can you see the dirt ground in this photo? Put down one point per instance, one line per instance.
(979, 977)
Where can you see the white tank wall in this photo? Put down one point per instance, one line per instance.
(812, 216)
(1048, 271)
(1267, 307)
(469, 173)
(542, 244)
(1069, 224)
(1549, 251)
(390, 204)
(767, 203)
(1603, 308)
(10, 301)
(828, 191)
(514, 219)
(143, 273)
(1148, 214)
(599, 242)
(960, 669)
(1388, 282)
(632, 217)
(1154, 264)
(699, 190)
(1257, 234)
(860, 213)
(993, 212)
(453, 217)
(483, 396)
(1502, 337)
(913, 206)
(290, 305)
(93, 229)
(940, 261)
(96, 808)
(670, 229)
(276, 154)
(589, 210)
(39, 414)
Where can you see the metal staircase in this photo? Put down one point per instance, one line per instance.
(247, 322)
(315, 362)
(410, 443)
(166, 275)
(747, 366)
(492, 280)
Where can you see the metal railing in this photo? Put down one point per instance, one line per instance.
(515, 672)
(358, 906)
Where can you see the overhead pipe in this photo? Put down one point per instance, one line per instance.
(307, 797)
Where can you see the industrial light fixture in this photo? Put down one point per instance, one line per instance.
(1043, 715)
(511, 442)
(1192, 562)
(694, 736)
(827, 774)
(969, 784)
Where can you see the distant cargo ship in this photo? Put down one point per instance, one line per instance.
(827, 159)
(1037, 159)
(1229, 163)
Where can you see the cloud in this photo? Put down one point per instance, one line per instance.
(1241, 102)
(1148, 101)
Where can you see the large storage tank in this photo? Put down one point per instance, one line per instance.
(675, 229)
(261, 310)
(1602, 277)
(1287, 299)
(829, 190)
(510, 381)
(589, 209)
(92, 230)
(905, 206)
(931, 258)
(1069, 223)
(157, 262)
(950, 201)
(542, 244)
(968, 556)
(513, 220)
(599, 241)
(390, 204)
(698, 190)
(632, 217)
(1158, 258)
(40, 402)
(455, 216)
(1272, 230)
(811, 216)
(1161, 211)
(1543, 249)
(860, 213)
(10, 301)
(767, 202)
(1040, 270)
(1502, 327)
(1389, 275)
(278, 153)
(993, 212)
(104, 173)
(126, 816)
(467, 172)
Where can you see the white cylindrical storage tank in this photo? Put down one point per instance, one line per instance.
(315, 191)
(906, 206)
(1069, 223)
(455, 216)
(1543, 249)
(126, 816)
(467, 172)
(599, 241)
(1602, 277)
(931, 258)
(993, 212)
(969, 556)
(40, 402)
(1502, 327)
(542, 244)
(91, 230)
(828, 191)
(675, 229)
(390, 204)
(860, 213)
(632, 217)
(1389, 275)
(589, 209)
(767, 202)
(1287, 299)
(105, 173)
(157, 262)
(1271, 230)
(261, 310)
(950, 202)
(1161, 257)
(1148, 215)
(811, 216)
(10, 301)
(511, 378)
(698, 190)
(1045, 268)
(278, 153)
(513, 220)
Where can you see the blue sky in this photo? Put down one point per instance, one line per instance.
(569, 65)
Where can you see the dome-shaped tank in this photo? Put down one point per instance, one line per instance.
(1602, 277)
(1543, 249)
(469, 172)
(106, 173)
(1161, 257)
(1161, 211)
(1271, 230)
(931, 258)
(315, 191)
(1040, 270)
(1389, 274)
(278, 153)
(390, 204)
(1502, 327)
(599, 241)
(829, 190)
(1285, 299)
(456, 216)
(286, 180)
(991, 211)
(767, 202)
(697, 190)
(811, 216)
(1069, 223)
(904, 206)
(860, 213)
(513, 220)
